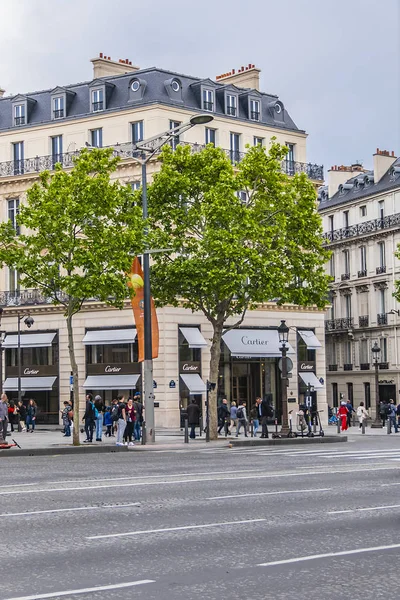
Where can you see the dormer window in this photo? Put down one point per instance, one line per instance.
(208, 100)
(254, 110)
(58, 107)
(19, 114)
(231, 105)
(97, 100)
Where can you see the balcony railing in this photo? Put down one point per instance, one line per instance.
(362, 273)
(19, 121)
(58, 114)
(348, 367)
(382, 319)
(208, 105)
(97, 106)
(255, 115)
(362, 228)
(380, 270)
(345, 276)
(231, 110)
(332, 367)
(364, 366)
(339, 324)
(26, 298)
(363, 321)
(384, 365)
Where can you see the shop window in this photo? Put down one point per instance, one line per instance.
(303, 353)
(335, 396)
(112, 353)
(186, 353)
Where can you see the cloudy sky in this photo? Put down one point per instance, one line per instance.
(334, 64)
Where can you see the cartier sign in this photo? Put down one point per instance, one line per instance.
(110, 369)
(113, 369)
(306, 365)
(33, 371)
(190, 367)
(28, 371)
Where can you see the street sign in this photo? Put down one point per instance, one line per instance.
(71, 380)
(172, 384)
(289, 364)
(308, 401)
(154, 383)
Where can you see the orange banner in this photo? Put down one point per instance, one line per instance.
(136, 283)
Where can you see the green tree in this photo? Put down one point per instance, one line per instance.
(79, 231)
(238, 235)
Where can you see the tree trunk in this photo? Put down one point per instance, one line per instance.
(74, 369)
(215, 352)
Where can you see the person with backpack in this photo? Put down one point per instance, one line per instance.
(242, 418)
(265, 412)
(67, 415)
(362, 414)
(89, 418)
(139, 416)
(223, 417)
(392, 415)
(121, 421)
(99, 405)
(350, 413)
(383, 410)
(108, 422)
(233, 414)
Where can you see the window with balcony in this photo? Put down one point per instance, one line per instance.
(231, 105)
(384, 349)
(382, 316)
(56, 149)
(346, 265)
(364, 355)
(210, 136)
(332, 266)
(254, 110)
(58, 107)
(382, 258)
(13, 211)
(234, 147)
(347, 306)
(97, 100)
(363, 262)
(176, 139)
(137, 132)
(208, 100)
(18, 157)
(258, 141)
(96, 138)
(19, 114)
(348, 356)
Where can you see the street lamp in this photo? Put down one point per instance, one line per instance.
(146, 150)
(375, 353)
(283, 332)
(28, 322)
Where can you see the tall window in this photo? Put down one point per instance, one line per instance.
(231, 105)
(19, 114)
(348, 354)
(208, 100)
(363, 211)
(13, 280)
(384, 349)
(210, 136)
(254, 110)
(18, 156)
(56, 149)
(367, 395)
(350, 392)
(290, 154)
(258, 141)
(97, 100)
(332, 266)
(346, 261)
(381, 209)
(335, 395)
(58, 107)
(330, 221)
(13, 211)
(345, 218)
(137, 132)
(235, 147)
(363, 259)
(382, 301)
(175, 140)
(382, 257)
(364, 358)
(97, 138)
(347, 306)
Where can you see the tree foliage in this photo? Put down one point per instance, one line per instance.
(238, 235)
(79, 231)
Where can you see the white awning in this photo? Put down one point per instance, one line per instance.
(311, 379)
(29, 384)
(109, 336)
(311, 340)
(110, 382)
(194, 383)
(253, 343)
(29, 340)
(194, 337)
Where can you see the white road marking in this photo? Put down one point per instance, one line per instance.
(103, 588)
(267, 494)
(59, 510)
(339, 512)
(289, 561)
(389, 484)
(205, 479)
(167, 529)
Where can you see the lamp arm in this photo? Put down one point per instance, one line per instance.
(153, 144)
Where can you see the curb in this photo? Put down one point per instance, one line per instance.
(15, 452)
(288, 441)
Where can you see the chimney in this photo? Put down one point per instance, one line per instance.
(340, 174)
(383, 160)
(2, 92)
(245, 77)
(103, 66)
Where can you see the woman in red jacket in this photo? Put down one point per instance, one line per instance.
(342, 414)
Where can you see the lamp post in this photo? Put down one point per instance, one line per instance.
(28, 322)
(146, 150)
(283, 332)
(375, 353)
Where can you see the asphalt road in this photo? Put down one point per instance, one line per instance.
(319, 522)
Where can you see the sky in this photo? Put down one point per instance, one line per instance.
(334, 64)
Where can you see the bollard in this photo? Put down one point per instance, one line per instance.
(363, 426)
(338, 425)
(389, 425)
(186, 431)
(201, 425)
(251, 428)
(144, 433)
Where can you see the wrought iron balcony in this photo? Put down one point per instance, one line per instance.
(345, 276)
(348, 367)
(380, 270)
(26, 298)
(339, 324)
(363, 321)
(369, 227)
(332, 367)
(384, 365)
(231, 110)
(291, 167)
(382, 319)
(19, 121)
(362, 273)
(364, 366)
(97, 106)
(58, 114)
(208, 105)
(254, 115)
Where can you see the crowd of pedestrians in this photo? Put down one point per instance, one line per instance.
(20, 416)
(237, 417)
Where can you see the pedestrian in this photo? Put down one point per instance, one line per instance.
(242, 418)
(351, 410)
(31, 415)
(121, 420)
(114, 416)
(392, 415)
(383, 412)
(89, 418)
(265, 412)
(3, 418)
(223, 416)
(362, 414)
(193, 416)
(398, 414)
(99, 404)
(139, 416)
(108, 421)
(342, 414)
(131, 417)
(66, 418)
(22, 415)
(233, 414)
(254, 417)
(12, 415)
